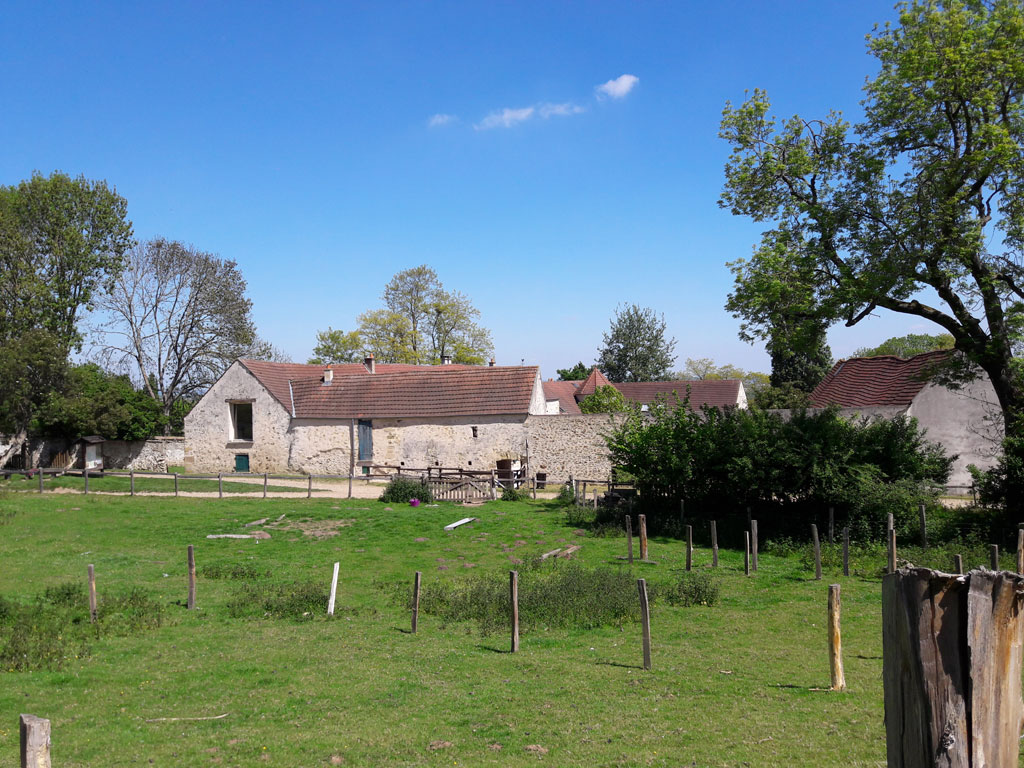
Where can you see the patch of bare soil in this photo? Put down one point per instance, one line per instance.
(317, 529)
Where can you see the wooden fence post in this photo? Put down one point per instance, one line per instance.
(533, 486)
(40, 470)
(846, 551)
(1020, 550)
(334, 593)
(951, 668)
(645, 620)
(85, 474)
(264, 485)
(494, 487)
(513, 588)
(714, 544)
(921, 512)
(191, 578)
(892, 550)
(309, 487)
(835, 643)
(994, 556)
(753, 545)
(92, 593)
(175, 483)
(958, 564)
(131, 482)
(35, 741)
(220, 485)
(746, 553)
(817, 552)
(416, 600)
(629, 538)
(689, 547)
(643, 537)
(595, 499)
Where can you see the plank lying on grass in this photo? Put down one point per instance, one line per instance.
(457, 523)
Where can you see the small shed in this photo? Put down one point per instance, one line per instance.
(92, 452)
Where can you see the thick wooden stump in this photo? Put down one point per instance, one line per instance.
(35, 742)
(952, 668)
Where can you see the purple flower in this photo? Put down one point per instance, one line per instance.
(414, 502)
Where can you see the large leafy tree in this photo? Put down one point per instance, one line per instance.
(337, 347)
(918, 209)
(177, 317)
(62, 239)
(909, 345)
(636, 347)
(577, 373)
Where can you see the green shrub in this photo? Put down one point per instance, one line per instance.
(565, 495)
(241, 572)
(692, 588)
(510, 493)
(297, 600)
(401, 490)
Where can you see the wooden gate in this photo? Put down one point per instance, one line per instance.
(459, 489)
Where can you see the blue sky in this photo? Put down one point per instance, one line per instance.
(301, 141)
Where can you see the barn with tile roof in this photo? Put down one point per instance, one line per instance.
(965, 421)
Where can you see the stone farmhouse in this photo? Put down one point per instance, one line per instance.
(366, 417)
(965, 421)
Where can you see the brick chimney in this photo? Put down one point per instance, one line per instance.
(370, 363)
(328, 376)
(491, 364)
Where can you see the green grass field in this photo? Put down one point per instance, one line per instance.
(742, 683)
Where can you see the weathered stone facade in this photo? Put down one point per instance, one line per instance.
(153, 455)
(570, 445)
(209, 443)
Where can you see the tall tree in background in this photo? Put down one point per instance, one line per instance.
(410, 294)
(177, 317)
(927, 192)
(577, 373)
(337, 347)
(61, 240)
(706, 369)
(909, 345)
(635, 347)
(388, 335)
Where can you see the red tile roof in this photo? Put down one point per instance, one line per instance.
(563, 392)
(884, 380)
(711, 392)
(591, 383)
(398, 391)
(275, 376)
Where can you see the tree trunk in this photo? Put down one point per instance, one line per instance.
(952, 668)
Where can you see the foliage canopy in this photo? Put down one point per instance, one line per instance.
(636, 347)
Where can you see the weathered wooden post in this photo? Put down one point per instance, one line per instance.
(85, 474)
(951, 667)
(924, 526)
(629, 538)
(533, 485)
(958, 564)
(35, 741)
(595, 499)
(220, 485)
(645, 621)
(334, 593)
(309, 487)
(746, 553)
(689, 547)
(817, 552)
(513, 588)
(753, 545)
(714, 544)
(892, 550)
(416, 600)
(846, 551)
(131, 482)
(835, 643)
(191, 604)
(92, 593)
(175, 483)
(40, 470)
(1020, 550)
(643, 537)
(994, 556)
(494, 486)
(264, 485)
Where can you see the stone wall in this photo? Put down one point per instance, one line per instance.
(153, 455)
(567, 444)
(209, 446)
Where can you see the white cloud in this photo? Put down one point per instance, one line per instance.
(559, 110)
(441, 119)
(617, 88)
(505, 118)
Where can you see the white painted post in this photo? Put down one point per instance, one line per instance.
(334, 590)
